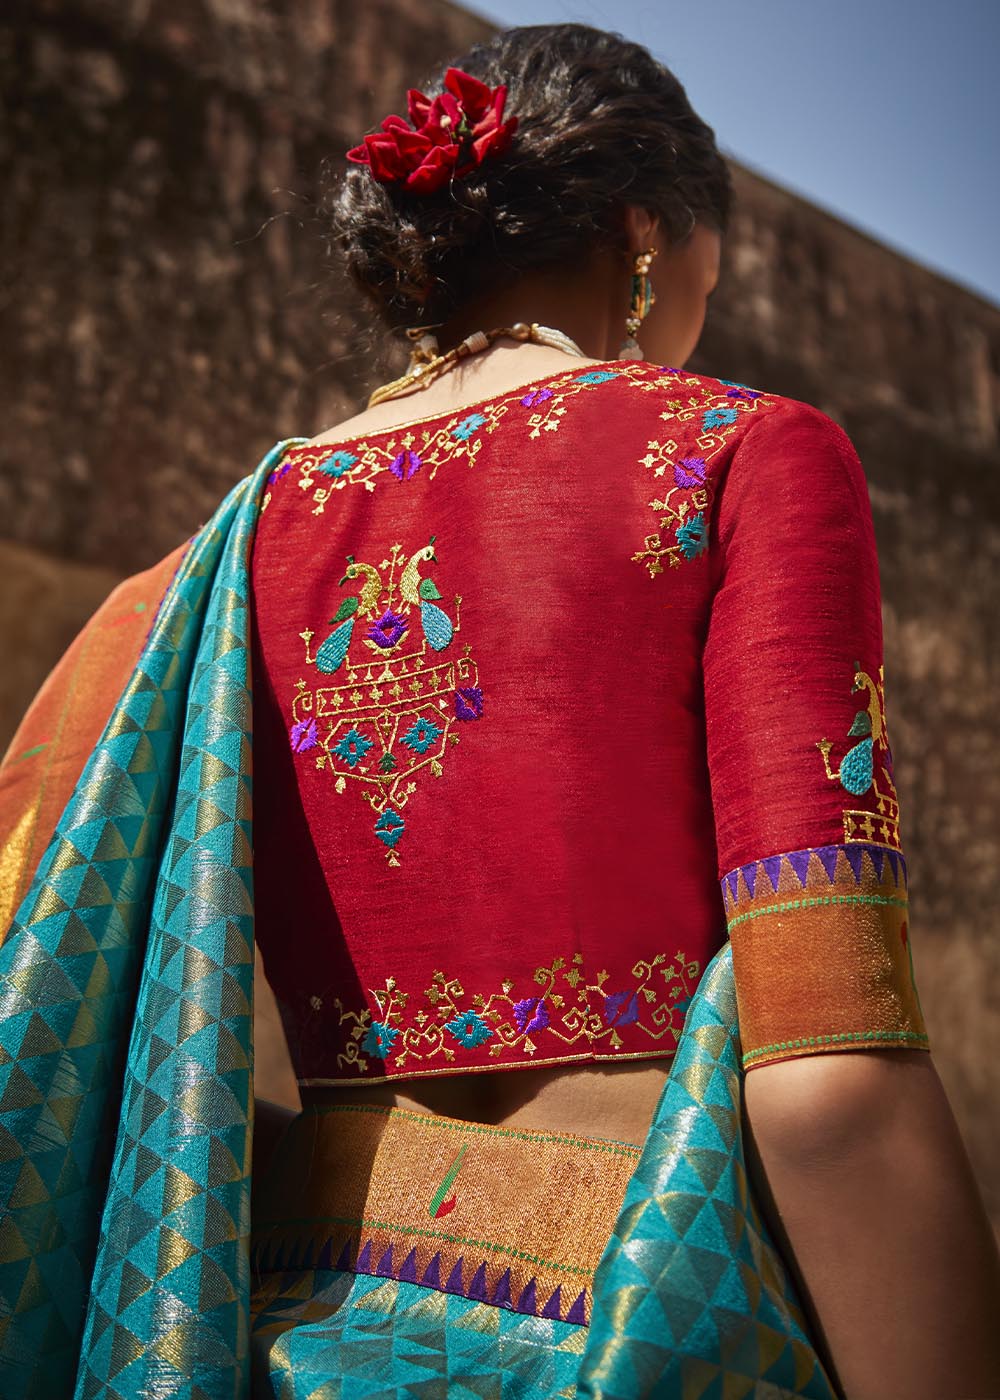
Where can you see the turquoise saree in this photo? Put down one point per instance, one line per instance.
(126, 1101)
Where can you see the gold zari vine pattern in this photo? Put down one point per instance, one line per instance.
(683, 472)
(568, 1014)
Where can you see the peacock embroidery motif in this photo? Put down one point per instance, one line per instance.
(867, 767)
(392, 710)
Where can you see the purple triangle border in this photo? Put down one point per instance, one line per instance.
(761, 877)
(464, 1277)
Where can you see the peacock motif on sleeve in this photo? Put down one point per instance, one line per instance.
(867, 766)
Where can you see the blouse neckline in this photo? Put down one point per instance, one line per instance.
(457, 410)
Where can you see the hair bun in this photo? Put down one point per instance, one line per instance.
(425, 218)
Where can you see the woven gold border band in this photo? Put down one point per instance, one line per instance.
(514, 1217)
(821, 955)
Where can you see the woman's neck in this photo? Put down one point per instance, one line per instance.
(587, 305)
(504, 367)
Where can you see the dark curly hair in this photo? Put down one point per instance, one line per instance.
(601, 124)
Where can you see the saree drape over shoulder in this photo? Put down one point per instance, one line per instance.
(568, 740)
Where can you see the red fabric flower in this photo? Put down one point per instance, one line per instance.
(450, 134)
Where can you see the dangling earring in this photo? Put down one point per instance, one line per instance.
(642, 299)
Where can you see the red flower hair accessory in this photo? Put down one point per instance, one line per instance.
(448, 135)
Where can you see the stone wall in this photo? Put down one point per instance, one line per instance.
(169, 315)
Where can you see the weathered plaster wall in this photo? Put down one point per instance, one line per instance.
(168, 316)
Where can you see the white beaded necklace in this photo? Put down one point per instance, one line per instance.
(427, 362)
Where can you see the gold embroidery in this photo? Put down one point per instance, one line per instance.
(683, 507)
(394, 713)
(422, 447)
(565, 1009)
(856, 771)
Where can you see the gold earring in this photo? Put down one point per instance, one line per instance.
(641, 300)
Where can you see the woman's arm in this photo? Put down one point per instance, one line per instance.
(869, 1190)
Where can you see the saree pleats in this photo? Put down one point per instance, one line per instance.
(126, 1093)
(691, 1298)
(328, 1336)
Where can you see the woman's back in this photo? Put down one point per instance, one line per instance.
(483, 783)
(566, 704)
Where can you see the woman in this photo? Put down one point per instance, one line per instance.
(546, 642)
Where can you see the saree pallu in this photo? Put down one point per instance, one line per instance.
(126, 1115)
(427, 1252)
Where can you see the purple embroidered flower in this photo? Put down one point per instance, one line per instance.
(621, 1008)
(536, 396)
(531, 1014)
(387, 631)
(352, 747)
(379, 1039)
(304, 735)
(279, 472)
(718, 417)
(405, 464)
(469, 1030)
(691, 536)
(668, 369)
(337, 463)
(690, 471)
(468, 702)
(748, 394)
(421, 735)
(596, 376)
(468, 426)
(389, 827)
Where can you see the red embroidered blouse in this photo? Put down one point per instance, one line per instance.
(531, 679)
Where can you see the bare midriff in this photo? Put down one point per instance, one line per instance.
(604, 1101)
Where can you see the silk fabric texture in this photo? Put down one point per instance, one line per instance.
(126, 1083)
(531, 678)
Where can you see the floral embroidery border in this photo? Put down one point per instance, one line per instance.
(422, 448)
(684, 506)
(565, 1012)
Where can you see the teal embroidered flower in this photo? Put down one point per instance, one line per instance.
(337, 463)
(692, 536)
(469, 1030)
(596, 376)
(389, 827)
(468, 426)
(379, 1039)
(352, 747)
(421, 735)
(718, 417)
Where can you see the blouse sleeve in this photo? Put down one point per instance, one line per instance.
(807, 820)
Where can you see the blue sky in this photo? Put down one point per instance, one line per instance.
(885, 113)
